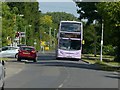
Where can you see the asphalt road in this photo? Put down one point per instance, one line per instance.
(51, 73)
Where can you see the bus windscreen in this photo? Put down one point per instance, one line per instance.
(67, 44)
(70, 27)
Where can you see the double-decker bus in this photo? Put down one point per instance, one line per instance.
(70, 37)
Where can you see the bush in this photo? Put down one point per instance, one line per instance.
(108, 50)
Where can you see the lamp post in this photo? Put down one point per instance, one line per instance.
(16, 29)
(101, 42)
(50, 37)
(30, 25)
(26, 33)
(0, 31)
(54, 37)
(54, 32)
(95, 36)
(35, 42)
(21, 15)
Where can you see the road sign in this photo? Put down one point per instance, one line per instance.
(43, 43)
(22, 34)
(46, 48)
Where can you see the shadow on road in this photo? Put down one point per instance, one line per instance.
(115, 77)
(51, 61)
(46, 57)
(72, 64)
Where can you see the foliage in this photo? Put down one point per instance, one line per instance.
(46, 20)
(41, 23)
(46, 23)
(11, 12)
(33, 22)
(108, 50)
(58, 16)
(110, 12)
(92, 39)
(7, 28)
(51, 20)
(88, 10)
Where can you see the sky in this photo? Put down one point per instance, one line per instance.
(68, 7)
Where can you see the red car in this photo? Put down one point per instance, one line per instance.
(27, 52)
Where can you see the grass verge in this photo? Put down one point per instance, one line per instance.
(6, 59)
(107, 64)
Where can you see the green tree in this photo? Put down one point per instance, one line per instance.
(31, 13)
(88, 10)
(7, 28)
(58, 16)
(110, 13)
(91, 38)
(92, 32)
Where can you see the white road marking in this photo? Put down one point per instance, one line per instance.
(60, 85)
(66, 79)
(12, 73)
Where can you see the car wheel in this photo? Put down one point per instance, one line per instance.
(35, 60)
(16, 56)
(18, 59)
(2, 87)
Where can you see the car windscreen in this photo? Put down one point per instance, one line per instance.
(20, 45)
(26, 48)
(5, 48)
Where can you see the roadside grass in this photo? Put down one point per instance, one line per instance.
(107, 63)
(6, 59)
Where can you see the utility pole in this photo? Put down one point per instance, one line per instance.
(25, 36)
(54, 37)
(101, 42)
(0, 31)
(50, 37)
(30, 34)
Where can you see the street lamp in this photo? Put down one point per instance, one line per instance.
(26, 33)
(0, 31)
(54, 32)
(50, 36)
(35, 42)
(16, 29)
(95, 22)
(54, 37)
(44, 32)
(101, 42)
(21, 15)
(30, 25)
